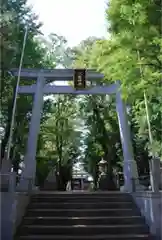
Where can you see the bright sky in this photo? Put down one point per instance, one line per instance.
(74, 19)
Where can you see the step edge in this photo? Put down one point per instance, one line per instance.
(86, 226)
(91, 237)
(76, 209)
(84, 203)
(91, 218)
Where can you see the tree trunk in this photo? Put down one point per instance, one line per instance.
(7, 128)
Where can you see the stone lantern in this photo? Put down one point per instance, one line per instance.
(102, 178)
(103, 166)
(105, 182)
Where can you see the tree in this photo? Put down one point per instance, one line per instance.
(15, 16)
(133, 55)
(60, 138)
(139, 30)
(57, 50)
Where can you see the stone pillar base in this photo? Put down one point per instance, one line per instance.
(25, 185)
(138, 188)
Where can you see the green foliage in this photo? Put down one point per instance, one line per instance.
(133, 55)
(86, 127)
(14, 17)
(58, 131)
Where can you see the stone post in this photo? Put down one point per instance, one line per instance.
(155, 174)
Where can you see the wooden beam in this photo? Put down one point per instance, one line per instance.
(48, 89)
(55, 74)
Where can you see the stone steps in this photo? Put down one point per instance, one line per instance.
(81, 212)
(92, 237)
(87, 198)
(68, 221)
(80, 205)
(68, 216)
(84, 229)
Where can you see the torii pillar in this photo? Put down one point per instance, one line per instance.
(129, 165)
(28, 175)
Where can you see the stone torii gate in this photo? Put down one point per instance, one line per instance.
(42, 86)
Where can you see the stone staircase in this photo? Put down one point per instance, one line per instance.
(82, 216)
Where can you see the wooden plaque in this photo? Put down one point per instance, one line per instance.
(79, 79)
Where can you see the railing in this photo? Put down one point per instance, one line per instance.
(141, 184)
(30, 185)
(9, 183)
